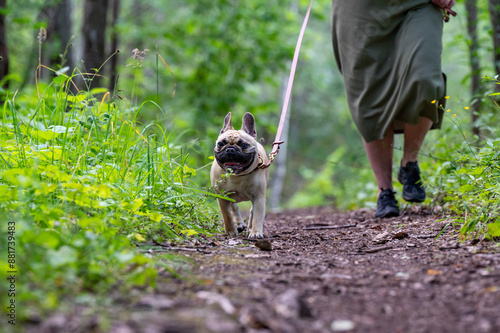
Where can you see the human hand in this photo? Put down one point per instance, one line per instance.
(446, 5)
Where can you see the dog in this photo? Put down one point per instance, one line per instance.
(236, 173)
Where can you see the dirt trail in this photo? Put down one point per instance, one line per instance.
(326, 272)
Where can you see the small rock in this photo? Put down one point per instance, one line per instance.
(222, 300)
(254, 318)
(291, 305)
(403, 275)
(155, 302)
(382, 238)
(342, 325)
(233, 242)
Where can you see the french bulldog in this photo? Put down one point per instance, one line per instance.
(236, 173)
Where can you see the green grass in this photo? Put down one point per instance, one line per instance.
(85, 181)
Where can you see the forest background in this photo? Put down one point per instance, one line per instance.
(111, 111)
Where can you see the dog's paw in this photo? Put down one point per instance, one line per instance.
(232, 234)
(242, 227)
(255, 235)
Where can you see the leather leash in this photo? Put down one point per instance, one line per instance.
(277, 141)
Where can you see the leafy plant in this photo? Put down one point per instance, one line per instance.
(84, 181)
(466, 173)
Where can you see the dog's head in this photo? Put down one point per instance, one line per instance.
(237, 150)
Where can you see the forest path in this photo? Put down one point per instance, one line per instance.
(326, 272)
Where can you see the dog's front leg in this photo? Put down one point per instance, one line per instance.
(236, 215)
(250, 218)
(229, 225)
(257, 218)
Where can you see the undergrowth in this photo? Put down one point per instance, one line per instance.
(82, 181)
(466, 181)
(461, 174)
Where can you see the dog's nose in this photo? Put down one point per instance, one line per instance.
(230, 149)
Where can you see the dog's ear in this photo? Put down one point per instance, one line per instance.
(249, 124)
(227, 124)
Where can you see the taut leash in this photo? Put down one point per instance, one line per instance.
(277, 141)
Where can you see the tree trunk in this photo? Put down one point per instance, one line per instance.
(494, 6)
(139, 9)
(114, 47)
(4, 52)
(495, 24)
(58, 51)
(94, 40)
(62, 29)
(471, 9)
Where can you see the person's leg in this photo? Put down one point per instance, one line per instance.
(409, 171)
(414, 136)
(380, 153)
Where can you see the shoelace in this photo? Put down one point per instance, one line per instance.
(386, 195)
(413, 174)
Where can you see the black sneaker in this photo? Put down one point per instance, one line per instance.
(387, 206)
(409, 176)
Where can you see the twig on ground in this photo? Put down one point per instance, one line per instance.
(329, 227)
(377, 249)
(425, 236)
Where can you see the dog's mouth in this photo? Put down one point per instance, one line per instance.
(234, 160)
(236, 167)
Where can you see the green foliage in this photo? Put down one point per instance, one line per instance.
(465, 181)
(225, 56)
(85, 181)
(475, 197)
(337, 184)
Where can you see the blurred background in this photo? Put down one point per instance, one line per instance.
(196, 60)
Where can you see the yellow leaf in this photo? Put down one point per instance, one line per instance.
(156, 217)
(137, 204)
(104, 191)
(189, 232)
(139, 237)
(433, 272)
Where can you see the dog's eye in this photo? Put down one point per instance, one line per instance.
(220, 144)
(243, 145)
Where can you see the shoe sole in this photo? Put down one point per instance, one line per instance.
(392, 213)
(413, 200)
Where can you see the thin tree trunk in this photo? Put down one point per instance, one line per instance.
(494, 6)
(94, 40)
(58, 52)
(62, 28)
(4, 52)
(138, 9)
(471, 9)
(114, 46)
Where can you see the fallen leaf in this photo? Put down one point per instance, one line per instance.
(433, 272)
(400, 235)
(264, 245)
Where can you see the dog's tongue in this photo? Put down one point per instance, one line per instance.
(229, 164)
